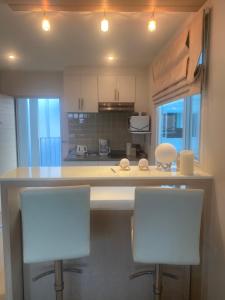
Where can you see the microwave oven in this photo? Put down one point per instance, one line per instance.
(139, 123)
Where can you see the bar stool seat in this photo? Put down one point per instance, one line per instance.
(56, 226)
(166, 229)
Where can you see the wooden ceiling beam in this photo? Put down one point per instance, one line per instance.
(109, 6)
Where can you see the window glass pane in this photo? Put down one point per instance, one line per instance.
(171, 123)
(195, 123)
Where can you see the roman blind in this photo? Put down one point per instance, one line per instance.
(177, 70)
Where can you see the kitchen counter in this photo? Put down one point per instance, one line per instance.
(105, 195)
(99, 174)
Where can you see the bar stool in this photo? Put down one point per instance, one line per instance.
(56, 226)
(166, 230)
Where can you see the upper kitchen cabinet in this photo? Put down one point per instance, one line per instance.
(72, 93)
(126, 88)
(80, 93)
(114, 88)
(107, 88)
(89, 93)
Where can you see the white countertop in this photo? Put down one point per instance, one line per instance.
(94, 173)
(115, 190)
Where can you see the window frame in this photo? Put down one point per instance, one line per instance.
(187, 127)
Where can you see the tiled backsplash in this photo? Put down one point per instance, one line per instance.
(87, 128)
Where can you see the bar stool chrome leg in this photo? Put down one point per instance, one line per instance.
(157, 279)
(157, 288)
(59, 284)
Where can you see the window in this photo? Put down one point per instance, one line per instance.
(38, 132)
(179, 124)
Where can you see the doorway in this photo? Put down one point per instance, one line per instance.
(38, 132)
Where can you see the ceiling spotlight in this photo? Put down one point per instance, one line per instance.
(104, 24)
(152, 23)
(11, 57)
(46, 26)
(111, 58)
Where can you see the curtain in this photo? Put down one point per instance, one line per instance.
(178, 71)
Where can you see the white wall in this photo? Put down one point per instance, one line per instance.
(152, 113)
(8, 156)
(8, 159)
(31, 84)
(213, 152)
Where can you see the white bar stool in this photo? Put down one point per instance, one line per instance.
(56, 226)
(166, 230)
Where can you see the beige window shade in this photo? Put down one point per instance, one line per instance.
(176, 72)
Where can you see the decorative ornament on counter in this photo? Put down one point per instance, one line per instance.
(143, 164)
(125, 164)
(165, 155)
(187, 162)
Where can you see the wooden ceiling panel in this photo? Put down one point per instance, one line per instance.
(109, 5)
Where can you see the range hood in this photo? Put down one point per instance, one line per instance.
(115, 106)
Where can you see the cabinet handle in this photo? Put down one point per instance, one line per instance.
(118, 95)
(79, 104)
(115, 94)
(82, 103)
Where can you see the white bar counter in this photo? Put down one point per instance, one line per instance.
(111, 189)
(96, 173)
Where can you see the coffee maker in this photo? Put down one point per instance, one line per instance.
(103, 147)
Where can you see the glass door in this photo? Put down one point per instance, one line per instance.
(38, 132)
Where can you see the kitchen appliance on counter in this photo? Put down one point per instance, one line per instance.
(103, 147)
(81, 150)
(139, 124)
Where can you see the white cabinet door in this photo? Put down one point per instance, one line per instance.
(126, 88)
(107, 88)
(72, 93)
(89, 93)
(116, 88)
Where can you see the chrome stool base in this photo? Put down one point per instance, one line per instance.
(58, 271)
(157, 277)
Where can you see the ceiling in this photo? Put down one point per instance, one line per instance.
(76, 40)
(109, 5)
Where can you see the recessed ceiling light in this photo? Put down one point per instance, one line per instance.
(111, 58)
(11, 57)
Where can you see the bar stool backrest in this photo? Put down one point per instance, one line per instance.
(55, 223)
(166, 226)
